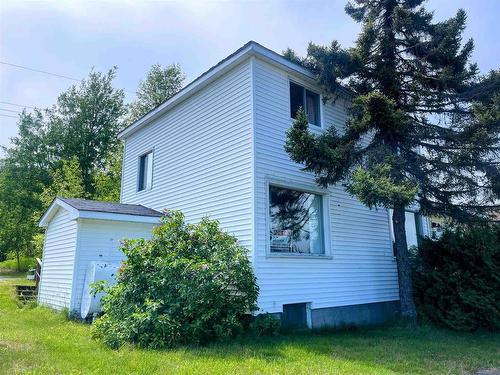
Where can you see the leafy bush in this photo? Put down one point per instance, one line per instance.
(457, 278)
(190, 283)
(265, 325)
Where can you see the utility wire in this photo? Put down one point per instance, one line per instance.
(8, 116)
(40, 71)
(9, 110)
(16, 105)
(49, 73)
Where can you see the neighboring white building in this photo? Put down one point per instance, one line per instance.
(217, 149)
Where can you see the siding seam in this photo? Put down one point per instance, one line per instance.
(75, 266)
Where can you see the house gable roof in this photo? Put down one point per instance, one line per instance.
(89, 209)
(249, 49)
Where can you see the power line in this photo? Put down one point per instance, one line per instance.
(40, 71)
(50, 73)
(9, 110)
(17, 105)
(8, 116)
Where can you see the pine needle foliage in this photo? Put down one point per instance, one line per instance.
(457, 279)
(423, 125)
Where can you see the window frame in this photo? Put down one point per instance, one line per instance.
(306, 87)
(325, 206)
(416, 217)
(138, 178)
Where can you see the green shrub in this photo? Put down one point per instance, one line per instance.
(457, 279)
(265, 325)
(189, 284)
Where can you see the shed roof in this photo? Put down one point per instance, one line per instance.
(111, 207)
(89, 209)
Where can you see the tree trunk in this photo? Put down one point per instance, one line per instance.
(408, 310)
(18, 258)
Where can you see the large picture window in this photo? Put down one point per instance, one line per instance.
(301, 97)
(296, 221)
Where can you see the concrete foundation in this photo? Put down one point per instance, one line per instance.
(354, 315)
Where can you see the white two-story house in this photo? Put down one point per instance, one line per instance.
(217, 149)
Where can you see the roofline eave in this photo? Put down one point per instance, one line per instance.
(246, 51)
(75, 213)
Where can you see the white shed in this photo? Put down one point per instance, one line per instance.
(79, 232)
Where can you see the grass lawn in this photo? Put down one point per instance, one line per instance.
(38, 341)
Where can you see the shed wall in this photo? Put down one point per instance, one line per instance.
(99, 241)
(58, 261)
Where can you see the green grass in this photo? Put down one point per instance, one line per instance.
(9, 266)
(38, 341)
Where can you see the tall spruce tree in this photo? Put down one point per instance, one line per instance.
(423, 125)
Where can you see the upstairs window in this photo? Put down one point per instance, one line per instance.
(296, 221)
(308, 100)
(145, 178)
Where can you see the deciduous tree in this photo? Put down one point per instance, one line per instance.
(85, 121)
(160, 84)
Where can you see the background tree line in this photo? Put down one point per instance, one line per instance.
(71, 150)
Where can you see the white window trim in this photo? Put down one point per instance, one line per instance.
(325, 200)
(312, 127)
(151, 152)
(390, 253)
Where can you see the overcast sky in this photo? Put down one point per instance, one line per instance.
(69, 38)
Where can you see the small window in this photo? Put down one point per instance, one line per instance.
(296, 99)
(312, 107)
(300, 97)
(296, 221)
(145, 178)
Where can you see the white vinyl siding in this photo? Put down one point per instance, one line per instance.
(58, 261)
(217, 152)
(99, 241)
(361, 268)
(203, 156)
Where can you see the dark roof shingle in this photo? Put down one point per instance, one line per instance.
(111, 207)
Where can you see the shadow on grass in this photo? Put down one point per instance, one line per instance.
(60, 346)
(389, 348)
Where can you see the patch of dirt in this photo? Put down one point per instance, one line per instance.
(14, 345)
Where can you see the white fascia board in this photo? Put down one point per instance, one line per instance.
(189, 90)
(75, 214)
(250, 49)
(51, 211)
(278, 60)
(118, 217)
